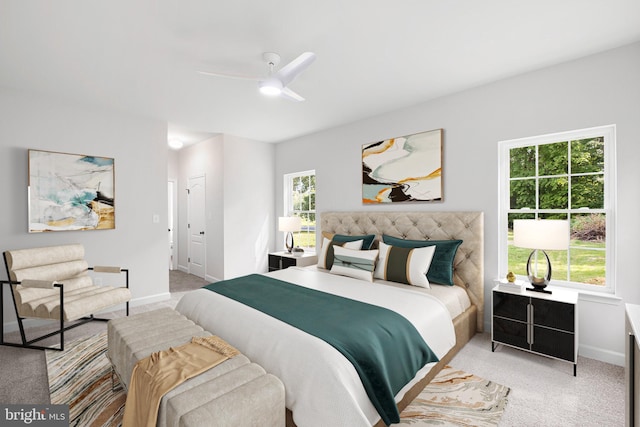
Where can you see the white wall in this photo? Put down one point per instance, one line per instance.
(173, 175)
(138, 146)
(598, 90)
(204, 158)
(239, 204)
(249, 224)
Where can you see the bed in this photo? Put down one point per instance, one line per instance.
(322, 387)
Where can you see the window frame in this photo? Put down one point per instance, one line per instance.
(288, 199)
(608, 132)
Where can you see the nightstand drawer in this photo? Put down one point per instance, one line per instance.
(282, 260)
(557, 315)
(510, 332)
(274, 262)
(510, 306)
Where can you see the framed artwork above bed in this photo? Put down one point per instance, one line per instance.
(403, 169)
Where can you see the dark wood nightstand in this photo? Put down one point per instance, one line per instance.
(545, 324)
(282, 260)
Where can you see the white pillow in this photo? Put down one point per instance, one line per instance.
(323, 261)
(354, 263)
(404, 265)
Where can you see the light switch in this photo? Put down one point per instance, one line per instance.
(156, 218)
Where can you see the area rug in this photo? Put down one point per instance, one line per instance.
(80, 376)
(457, 398)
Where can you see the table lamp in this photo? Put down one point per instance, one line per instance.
(540, 235)
(290, 225)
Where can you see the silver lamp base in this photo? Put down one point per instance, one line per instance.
(289, 241)
(539, 283)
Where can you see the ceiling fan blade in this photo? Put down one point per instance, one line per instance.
(229, 76)
(290, 95)
(289, 72)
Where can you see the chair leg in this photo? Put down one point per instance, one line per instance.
(61, 333)
(22, 334)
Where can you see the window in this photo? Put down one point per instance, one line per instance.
(300, 200)
(568, 176)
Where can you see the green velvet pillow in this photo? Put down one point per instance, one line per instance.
(367, 240)
(441, 268)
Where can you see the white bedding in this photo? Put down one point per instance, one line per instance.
(453, 297)
(322, 387)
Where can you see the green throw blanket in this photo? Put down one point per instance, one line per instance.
(384, 347)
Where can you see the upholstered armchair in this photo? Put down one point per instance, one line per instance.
(54, 283)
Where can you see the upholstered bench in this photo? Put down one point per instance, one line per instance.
(236, 392)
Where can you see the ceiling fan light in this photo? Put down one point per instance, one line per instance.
(176, 144)
(270, 87)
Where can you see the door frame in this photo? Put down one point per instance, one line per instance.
(172, 221)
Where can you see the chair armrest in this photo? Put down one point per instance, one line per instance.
(29, 283)
(106, 269)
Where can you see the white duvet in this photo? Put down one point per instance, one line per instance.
(322, 387)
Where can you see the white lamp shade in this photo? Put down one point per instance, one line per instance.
(545, 234)
(289, 223)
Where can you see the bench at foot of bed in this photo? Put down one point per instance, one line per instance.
(236, 392)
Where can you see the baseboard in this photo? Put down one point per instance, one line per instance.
(211, 279)
(183, 268)
(32, 323)
(28, 323)
(601, 354)
(150, 299)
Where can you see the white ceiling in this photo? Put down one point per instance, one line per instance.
(373, 56)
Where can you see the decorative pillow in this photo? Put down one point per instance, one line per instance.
(404, 265)
(325, 257)
(441, 269)
(354, 263)
(366, 244)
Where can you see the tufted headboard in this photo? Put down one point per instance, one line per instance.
(468, 269)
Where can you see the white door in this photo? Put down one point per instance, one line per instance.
(196, 226)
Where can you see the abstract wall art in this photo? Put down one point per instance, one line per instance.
(403, 169)
(70, 192)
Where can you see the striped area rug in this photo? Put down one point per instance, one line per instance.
(80, 376)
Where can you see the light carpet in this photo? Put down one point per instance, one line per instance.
(80, 376)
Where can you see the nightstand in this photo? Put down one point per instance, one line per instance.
(282, 260)
(545, 324)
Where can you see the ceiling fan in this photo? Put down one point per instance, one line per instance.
(275, 84)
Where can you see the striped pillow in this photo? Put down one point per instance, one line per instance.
(441, 268)
(354, 263)
(404, 265)
(325, 257)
